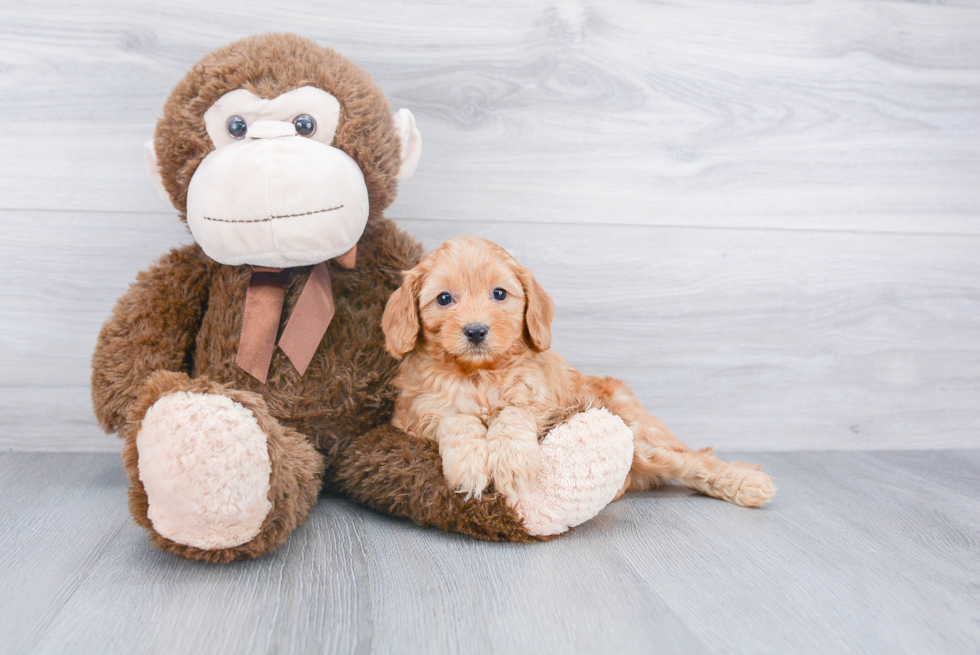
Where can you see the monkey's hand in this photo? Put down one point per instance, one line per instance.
(583, 464)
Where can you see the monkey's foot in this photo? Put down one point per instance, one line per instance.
(204, 463)
(213, 476)
(584, 462)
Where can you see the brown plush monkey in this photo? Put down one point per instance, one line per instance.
(247, 371)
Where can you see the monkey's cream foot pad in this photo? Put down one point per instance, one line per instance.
(584, 463)
(204, 462)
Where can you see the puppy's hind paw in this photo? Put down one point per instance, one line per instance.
(755, 490)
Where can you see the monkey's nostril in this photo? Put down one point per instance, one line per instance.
(476, 333)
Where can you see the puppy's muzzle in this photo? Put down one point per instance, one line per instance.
(475, 334)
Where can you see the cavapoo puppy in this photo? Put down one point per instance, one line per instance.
(472, 329)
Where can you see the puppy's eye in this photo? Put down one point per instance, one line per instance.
(237, 127)
(444, 299)
(499, 294)
(305, 125)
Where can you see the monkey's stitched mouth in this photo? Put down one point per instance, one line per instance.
(272, 218)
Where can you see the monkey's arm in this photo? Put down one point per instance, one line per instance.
(399, 475)
(152, 328)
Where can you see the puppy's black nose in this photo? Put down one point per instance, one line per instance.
(476, 333)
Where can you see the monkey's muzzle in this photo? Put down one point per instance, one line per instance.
(277, 199)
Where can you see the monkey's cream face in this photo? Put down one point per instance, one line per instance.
(275, 192)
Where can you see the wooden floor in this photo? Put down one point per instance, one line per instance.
(859, 552)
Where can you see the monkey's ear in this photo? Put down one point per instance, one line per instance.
(411, 140)
(153, 168)
(400, 321)
(539, 310)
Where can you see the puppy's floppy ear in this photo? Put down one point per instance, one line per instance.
(400, 322)
(538, 311)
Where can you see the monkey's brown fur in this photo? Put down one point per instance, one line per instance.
(177, 327)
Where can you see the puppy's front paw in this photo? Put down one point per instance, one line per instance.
(514, 463)
(465, 467)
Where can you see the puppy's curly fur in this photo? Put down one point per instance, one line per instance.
(472, 328)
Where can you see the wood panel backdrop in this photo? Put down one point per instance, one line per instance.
(764, 216)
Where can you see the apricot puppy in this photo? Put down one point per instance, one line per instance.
(472, 329)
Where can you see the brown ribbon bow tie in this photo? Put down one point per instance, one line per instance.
(306, 325)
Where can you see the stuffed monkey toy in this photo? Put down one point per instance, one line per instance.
(246, 372)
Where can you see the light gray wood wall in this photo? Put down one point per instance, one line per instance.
(764, 216)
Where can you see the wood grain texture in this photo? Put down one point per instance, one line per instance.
(750, 339)
(829, 114)
(859, 552)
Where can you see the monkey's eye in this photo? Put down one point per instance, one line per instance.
(499, 294)
(305, 125)
(237, 127)
(444, 299)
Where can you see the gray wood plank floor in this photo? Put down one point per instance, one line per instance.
(859, 552)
